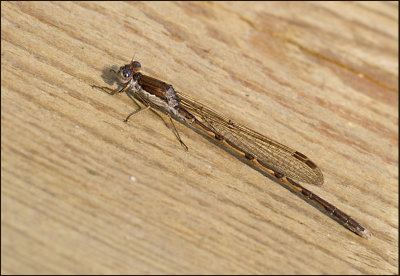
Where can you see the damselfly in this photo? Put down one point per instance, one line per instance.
(281, 162)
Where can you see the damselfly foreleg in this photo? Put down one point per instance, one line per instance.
(109, 90)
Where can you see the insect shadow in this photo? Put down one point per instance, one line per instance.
(108, 74)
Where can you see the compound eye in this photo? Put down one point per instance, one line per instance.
(136, 66)
(126, 73)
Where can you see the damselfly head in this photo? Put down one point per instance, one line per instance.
(126, 72)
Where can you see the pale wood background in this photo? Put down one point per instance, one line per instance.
(83, 192)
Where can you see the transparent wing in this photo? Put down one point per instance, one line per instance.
(278, 157)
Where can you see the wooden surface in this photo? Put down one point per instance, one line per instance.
(83, 192)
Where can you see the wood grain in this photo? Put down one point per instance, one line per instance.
(83, 192)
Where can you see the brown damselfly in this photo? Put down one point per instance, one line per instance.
(279, 161)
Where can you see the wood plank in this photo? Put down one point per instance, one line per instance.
(83, 192)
